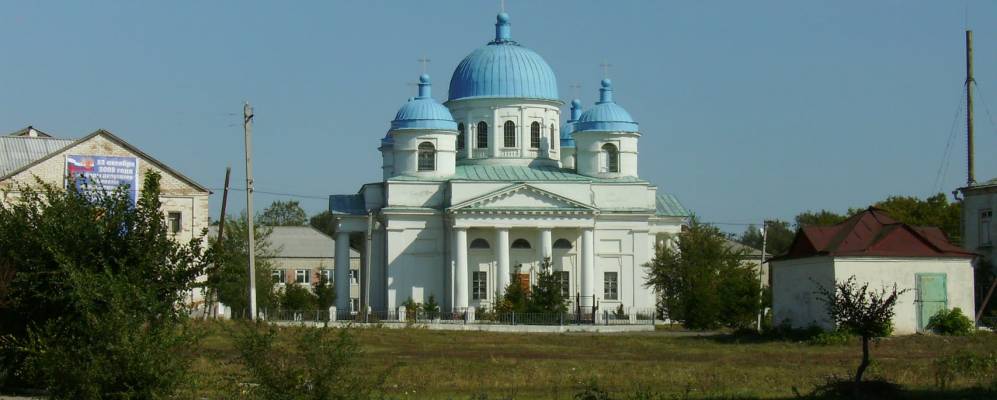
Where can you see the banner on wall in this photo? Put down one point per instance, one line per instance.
(107, 173)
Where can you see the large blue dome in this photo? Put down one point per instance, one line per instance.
(503, 68)
(606, 115)
(423, 112)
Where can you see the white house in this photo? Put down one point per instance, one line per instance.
(493, 179)
(875, 249)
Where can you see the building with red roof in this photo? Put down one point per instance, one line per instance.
(875, 248)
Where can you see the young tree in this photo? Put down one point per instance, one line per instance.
(324, 291)
(431, 308)
(228, 277)
(780, 237)
(295, 297)
(284, 213)
(515, 298)
(325, 222)
(97, 307)
(546, 296)
(704, 283)
(861, 311)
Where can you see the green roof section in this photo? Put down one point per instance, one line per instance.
(517, 173)
(669, 206)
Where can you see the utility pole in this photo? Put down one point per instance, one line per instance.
(761, 283)
(247, 127)
(221, 220)
(368, 239)
(970, 173)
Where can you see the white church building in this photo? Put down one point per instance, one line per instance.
(476, 191)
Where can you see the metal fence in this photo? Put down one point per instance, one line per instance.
(576, 316)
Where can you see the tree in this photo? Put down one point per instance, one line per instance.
(325, 292)
(228, 280)
(284, 213)
(863, 312)
(431, 308)
(819, 218)
(97, 307)
(932, 211)
(295, 297)
(780, 237)
(325, 222)
(515, 298)
(704, 283)
(546, 296)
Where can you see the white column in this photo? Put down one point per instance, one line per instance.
(496, 133)
(546, 251)
(460, 275)
(588, 266)
(502, 256)
(342, 270)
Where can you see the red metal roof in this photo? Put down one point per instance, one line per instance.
(873, 233)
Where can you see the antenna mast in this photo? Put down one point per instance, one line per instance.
(970, 174)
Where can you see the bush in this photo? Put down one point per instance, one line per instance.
(431, 308)
(979, 367)
(951, 322)
(295, 297)
(831, 338)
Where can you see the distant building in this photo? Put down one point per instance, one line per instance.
(752, 257)
(978, 204)
(878, 250)
(303, 254)
(105, 158)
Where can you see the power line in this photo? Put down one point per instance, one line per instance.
(946, 160)
(295, 195)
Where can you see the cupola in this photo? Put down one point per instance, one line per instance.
(423, 112)
(606, 115)
(605, 139)
(422, 139)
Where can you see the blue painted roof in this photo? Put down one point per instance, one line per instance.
(606, 115)
(569, 127)
(423, 112)
(347, 204)
(503, 68)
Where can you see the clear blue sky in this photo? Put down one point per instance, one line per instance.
(748, 110)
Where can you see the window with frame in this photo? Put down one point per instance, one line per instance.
(610, 158)
(521, 244)
(564, 279)
(611, 286)
(328, 275)
(354, 277)
(460, 136)
(175, 219)
(302, 276)
(553, 136)
(482, 135)
(479, 285)
(535, 135)
(354, 305)
(480, 243)
(427, 157)
(509, 130)
(563, 244)
(985, 229)
(278, 276)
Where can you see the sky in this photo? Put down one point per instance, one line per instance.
(748, 110)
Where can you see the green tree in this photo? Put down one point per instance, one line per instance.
(861, 311)
(325, 292)
(294, 297)
(284, 213)
(515, 298)
(97, 305)
(325, 222)
(546, 296)
(703, 283)
(780, 237)
(932, 211)
(228, 277)
(431, 308)
(819, 218)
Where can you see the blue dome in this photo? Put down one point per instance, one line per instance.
(569, 126)
(503, 68)
(423, 112)
(606, 115)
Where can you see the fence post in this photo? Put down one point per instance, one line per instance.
(401, 314)
(470, 315)
(332, 314)
(513, 318)
(633, 316)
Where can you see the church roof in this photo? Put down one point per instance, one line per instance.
(517, 173)
(503, 69)
(606, 115)
(352, 204)
(423, 112)
(668, 206)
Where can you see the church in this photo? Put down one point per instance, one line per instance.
(478, 190)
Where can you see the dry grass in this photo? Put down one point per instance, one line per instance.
(441, 365)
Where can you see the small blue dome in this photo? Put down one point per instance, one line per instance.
(606, 115)
(503, 68)
(423, 112)
(569, 126)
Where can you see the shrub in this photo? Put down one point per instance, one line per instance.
(592, 391)
(295, 297)
(431, 308)
(951, 322)
(965, 364)
(830, 338)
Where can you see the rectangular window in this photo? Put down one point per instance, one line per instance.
(354, 277)
(278, 276)
(175, 221)
(611, 286)
(354, 305)
(985, 236)
(479, 285)
(563, 279)
(302, 276)
(327, 274)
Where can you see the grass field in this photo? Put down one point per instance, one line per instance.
(461, 365)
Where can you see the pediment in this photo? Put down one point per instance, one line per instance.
(522, 197)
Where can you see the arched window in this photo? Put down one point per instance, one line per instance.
(482, 135)
(535, 135)
(521, 244)
(610, 158)
(480, 243)
(427, 157)
(562, 244)
(460, 136)
(553, 136)
(510, 134)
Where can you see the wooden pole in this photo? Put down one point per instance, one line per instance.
(970, 173)
(221, 219)
(761, 283)
(247, 126)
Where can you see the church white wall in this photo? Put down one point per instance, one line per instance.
(522, 112)
(622, 246)
(588, 150)
(622, 196)
(387, 161)
(415, 259)
(416, 194)
(406, 152)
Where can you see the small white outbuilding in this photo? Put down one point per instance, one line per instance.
(875, 249)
